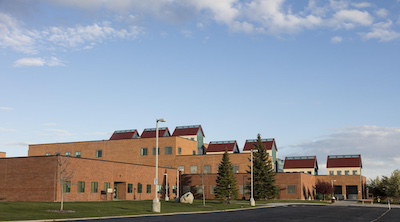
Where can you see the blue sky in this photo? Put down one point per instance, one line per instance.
(321, 77)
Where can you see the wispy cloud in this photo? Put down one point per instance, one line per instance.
(273, 17)
(17, 144)
(14, 35)
(336, 39)
(52, 61)
(4, 130)
(54, 133)
(376, 145)
(6, 108)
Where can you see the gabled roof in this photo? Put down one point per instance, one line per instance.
(151, 132)
(188, 130)
(337, 161)
(125, 134)
(220, 146)
(296, 162)
(269, 144)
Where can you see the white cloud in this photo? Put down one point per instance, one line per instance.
(52, 61)
(54, 133)
(29, 62)
(13, 36)
(382, 13)
(383, 32)
(336, 39)
(83, 36)
(377, 145)
(17, 144)
(350, 19)
(4, 108)
(4, 130)
(362, 5)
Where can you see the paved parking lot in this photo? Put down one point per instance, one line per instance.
(291, 213)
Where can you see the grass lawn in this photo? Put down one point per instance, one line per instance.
(39, 211)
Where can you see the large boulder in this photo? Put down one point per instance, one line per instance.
(187, 198)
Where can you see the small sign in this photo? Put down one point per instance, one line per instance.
(110, 190)
(155, 181)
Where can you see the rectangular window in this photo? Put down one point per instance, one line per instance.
(95, 187)
(99, 154)
(143, 152)
(207, 169)
(291, 189)
(67, 187)
(331, 172)
(355, 172)
(106, 186)
(81, 187)
(130, 188)
(154, 151)
(179, 151)
(78, 154)
(67, 153)
(235, 168)
(346, 172)
(181, 169)
(139, 188)
(339, 172)
(309, 172)
(168, 150)
(193, 169)
(148, 188)
(212, 189)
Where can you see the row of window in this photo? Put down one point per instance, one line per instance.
(143, 152)
(346, 172)
(206, 169)
(167, 151)
(81, 187)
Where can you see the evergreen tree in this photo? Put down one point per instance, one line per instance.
(225, 189)
(264, 174)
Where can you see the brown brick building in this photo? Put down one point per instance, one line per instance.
(123, 168)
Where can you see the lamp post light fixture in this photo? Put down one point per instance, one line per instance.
(252, 201)
(156, 201)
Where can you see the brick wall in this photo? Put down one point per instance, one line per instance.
(38, 179)
(27, 179)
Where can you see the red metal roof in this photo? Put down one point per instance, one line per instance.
(221, 146)
(124, 134)
(337, 161)
(151, 132)
(300, 162)
(268, 144)
(187, 130)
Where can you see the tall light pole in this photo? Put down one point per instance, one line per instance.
(252, 201)
(156, 201)
(333, 188)
(166, 186)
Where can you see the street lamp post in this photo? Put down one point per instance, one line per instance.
(178, 175)
(156, 201)
(333, 188)
(252, 201)
(166, 187)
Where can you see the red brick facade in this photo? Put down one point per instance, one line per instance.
(38, 179)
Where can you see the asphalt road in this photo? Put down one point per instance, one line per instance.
(285, 213)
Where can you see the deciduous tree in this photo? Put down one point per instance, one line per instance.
(324, 188)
